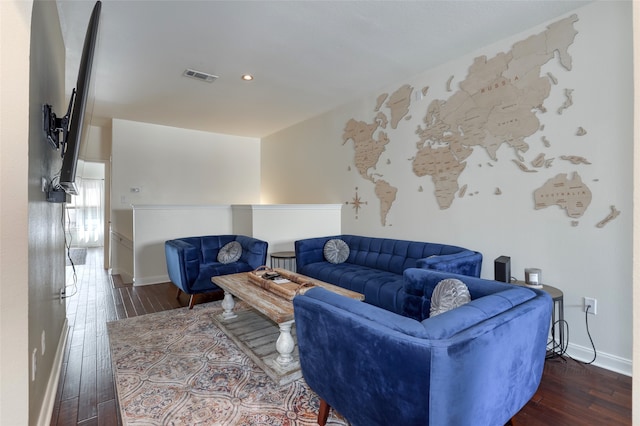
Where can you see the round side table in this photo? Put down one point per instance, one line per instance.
(558, 304)
(284, 259)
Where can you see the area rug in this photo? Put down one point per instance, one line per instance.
(77, 255)
(178, 368)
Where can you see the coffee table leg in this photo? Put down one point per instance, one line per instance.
(285, 344)
(228, 304)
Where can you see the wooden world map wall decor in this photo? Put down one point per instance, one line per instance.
(496, 104)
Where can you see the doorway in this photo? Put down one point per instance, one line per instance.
(85, 214)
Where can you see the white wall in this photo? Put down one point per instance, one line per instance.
(581, 260)
(636, 214)
(47, 315)
(97, 150)
(172, 166)
(159, 165)
(153, 225)
(121, 256)
(279, 225)
(282, 224)
(15, 25)
(32, 319)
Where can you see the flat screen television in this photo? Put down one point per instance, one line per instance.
(79, 120)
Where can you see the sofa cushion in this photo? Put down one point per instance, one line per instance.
(336, 251)
(216, 269)
(448, 294)
(419, 285)
(210, 245)
(230, 252)
(380, 288)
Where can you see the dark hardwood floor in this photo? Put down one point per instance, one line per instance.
(571, 393)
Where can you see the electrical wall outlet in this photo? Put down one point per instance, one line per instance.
(34, 363)
(590, 301)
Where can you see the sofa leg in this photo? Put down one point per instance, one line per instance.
(191, 301)
(323, 412)
(178, 294)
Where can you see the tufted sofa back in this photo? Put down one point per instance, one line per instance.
(420, 283)
(379, 253)
(390, 254)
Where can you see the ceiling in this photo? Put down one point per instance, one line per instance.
(307, 57)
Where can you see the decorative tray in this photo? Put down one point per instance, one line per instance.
(279, 281)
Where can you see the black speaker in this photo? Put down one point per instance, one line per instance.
(502, 269)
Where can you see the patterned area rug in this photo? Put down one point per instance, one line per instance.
(178, 368)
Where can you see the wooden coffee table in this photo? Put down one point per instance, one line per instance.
(284, 367)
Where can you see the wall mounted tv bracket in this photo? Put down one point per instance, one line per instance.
(53, 125)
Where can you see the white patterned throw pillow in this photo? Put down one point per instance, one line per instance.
(336, 251)
(448, 294)
(230, 252)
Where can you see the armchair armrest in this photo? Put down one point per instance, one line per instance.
(355, 363)
(254, 251)
(310, 250)
(482, 373)
(183, 262)
(466, 262)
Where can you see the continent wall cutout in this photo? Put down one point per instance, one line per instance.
(499, 102)
(611, 216)
(369, 142)
(569, 194)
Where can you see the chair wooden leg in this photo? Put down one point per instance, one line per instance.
(191, 301)
(323, 412)
(512, 422)
(178, 293)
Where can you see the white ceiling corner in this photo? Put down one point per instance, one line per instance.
(307, 56)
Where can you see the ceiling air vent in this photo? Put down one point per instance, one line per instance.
(199, 75)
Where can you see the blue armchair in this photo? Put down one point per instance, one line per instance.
(192, 261)
(477, 364)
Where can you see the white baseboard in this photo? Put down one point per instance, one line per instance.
(126, 276)
(151, 280)
(46, 410)
(603, 360)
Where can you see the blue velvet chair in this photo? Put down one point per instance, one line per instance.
(477, 364)
(192, 261)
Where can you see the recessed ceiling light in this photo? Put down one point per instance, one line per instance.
(247, 77)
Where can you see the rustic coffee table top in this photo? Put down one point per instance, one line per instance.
(275, 307)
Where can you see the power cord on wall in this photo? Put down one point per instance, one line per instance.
(557, 351)
(586, 322)
(67, 245)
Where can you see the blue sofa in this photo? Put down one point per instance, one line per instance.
(477, 364)
(375, 265)
(192, 261)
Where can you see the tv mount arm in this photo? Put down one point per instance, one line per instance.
(54, 125)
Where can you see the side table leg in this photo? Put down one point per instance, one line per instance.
(285, 344)
(228, 305)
